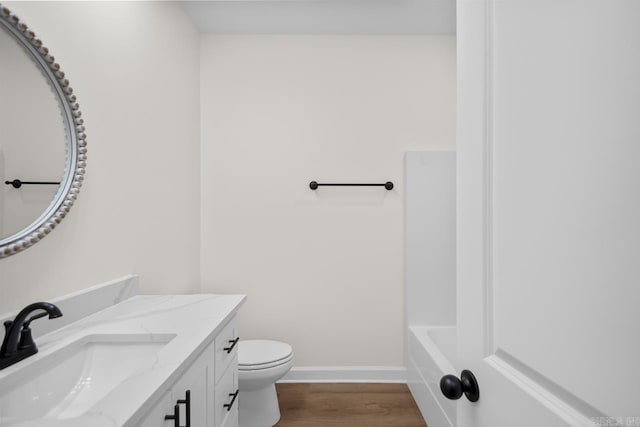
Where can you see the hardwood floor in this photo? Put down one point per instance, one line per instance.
(352, 405)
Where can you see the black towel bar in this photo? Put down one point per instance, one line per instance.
(388, 185)
(18, 183)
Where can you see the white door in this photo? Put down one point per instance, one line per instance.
(549, 211)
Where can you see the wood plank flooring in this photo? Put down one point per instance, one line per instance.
(352, 405)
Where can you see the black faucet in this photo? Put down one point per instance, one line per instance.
(18, 343)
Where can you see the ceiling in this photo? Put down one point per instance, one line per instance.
(323, 16)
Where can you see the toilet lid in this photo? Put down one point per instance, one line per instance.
(261, 352)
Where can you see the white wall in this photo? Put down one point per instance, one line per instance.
(323, 270)
(134, 67)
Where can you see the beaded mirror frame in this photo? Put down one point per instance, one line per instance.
(76, 152)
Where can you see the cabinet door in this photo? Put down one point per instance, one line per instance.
(193, 381)
(155, 418)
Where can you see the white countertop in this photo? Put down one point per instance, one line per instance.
(193, 319)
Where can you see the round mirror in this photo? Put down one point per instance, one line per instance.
(42, 139)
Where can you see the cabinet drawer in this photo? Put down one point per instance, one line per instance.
(226, 348)
(226, 397)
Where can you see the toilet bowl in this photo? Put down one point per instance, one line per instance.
(260, 364)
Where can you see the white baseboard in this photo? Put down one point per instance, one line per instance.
(346, 374)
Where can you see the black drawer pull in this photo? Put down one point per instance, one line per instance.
(187, 403)
(176, 410)
(233, 344)
(175, 417)
(233, 399)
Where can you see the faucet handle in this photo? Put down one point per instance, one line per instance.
(26, 339)
(7, 328)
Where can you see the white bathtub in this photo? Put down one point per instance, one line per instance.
(431, 354)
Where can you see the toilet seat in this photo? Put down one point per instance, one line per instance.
(263, 354)
(265, 365)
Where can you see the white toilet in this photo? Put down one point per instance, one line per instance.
(260, 364)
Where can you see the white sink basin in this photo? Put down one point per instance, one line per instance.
(68, 382)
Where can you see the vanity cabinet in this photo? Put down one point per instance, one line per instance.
(136, 363)
(207, 391)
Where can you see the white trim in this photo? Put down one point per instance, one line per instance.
(346, 374)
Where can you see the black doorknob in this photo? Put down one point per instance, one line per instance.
(453, 388)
